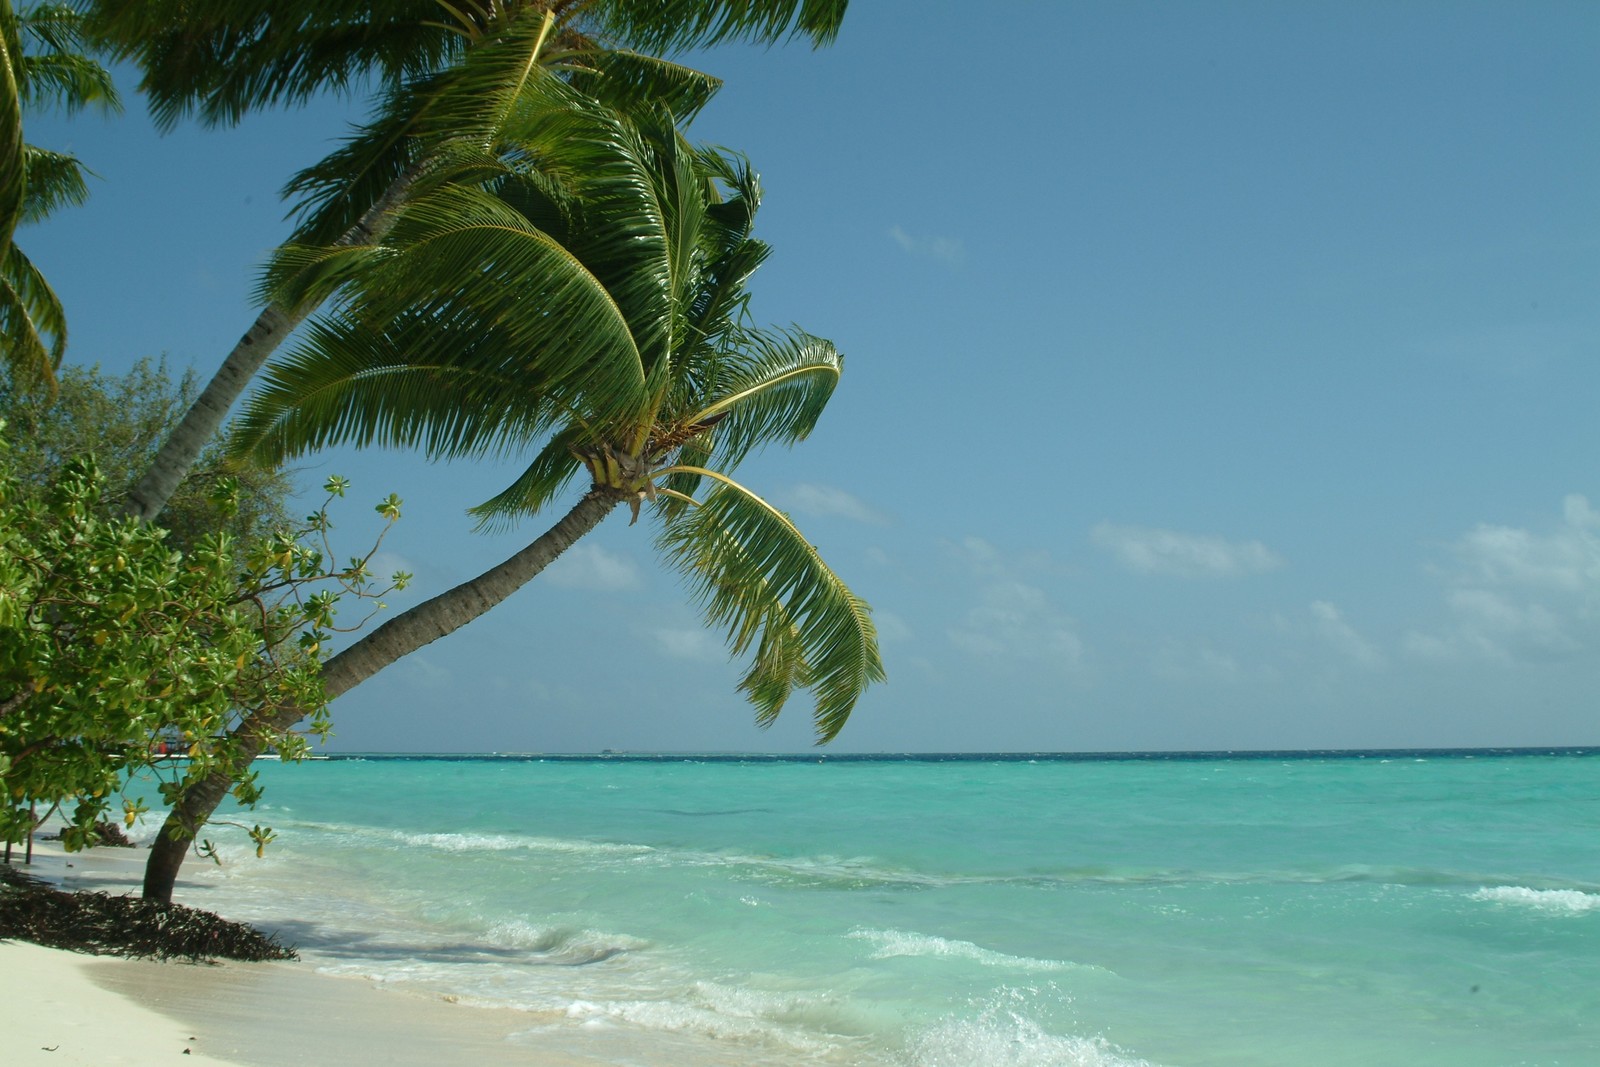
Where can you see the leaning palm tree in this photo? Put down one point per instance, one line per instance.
(223, 59)
(41, 64)
(602, 329)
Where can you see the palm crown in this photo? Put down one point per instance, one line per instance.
(440, 66)
(599, 323)
(41, 64)
(221, 58)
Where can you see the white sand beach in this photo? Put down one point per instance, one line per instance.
(63, 1008)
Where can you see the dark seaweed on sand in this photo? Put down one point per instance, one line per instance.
(105, 925)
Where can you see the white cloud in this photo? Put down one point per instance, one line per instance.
(690, 644)
(1151, 551)
(1331, 626)
(946, 250)
(826, 501)
(1016, 621)
(1567, 559)
(1522, 595)
(891, 627)
(589, 566)
(425, 672)
(1013, 619)
(1490, 625)
(1198, 664)
(979, 551)
(384, 565)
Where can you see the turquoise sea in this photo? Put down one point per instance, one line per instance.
(1394, 908)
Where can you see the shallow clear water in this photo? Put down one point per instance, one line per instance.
(1440, 911)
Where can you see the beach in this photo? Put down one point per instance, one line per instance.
(1438, 910)
(69, 1008)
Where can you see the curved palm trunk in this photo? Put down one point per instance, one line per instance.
(200, 424)
(400, 636)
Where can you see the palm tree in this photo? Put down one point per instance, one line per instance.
(603, 329)
(41, 64)
(224, 59)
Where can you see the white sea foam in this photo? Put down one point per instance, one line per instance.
(513, 843)
(1553, 901)
(561, 944)
(1007, 1039)
(799, 1022)
(891, 943)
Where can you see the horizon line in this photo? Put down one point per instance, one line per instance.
(978, 756)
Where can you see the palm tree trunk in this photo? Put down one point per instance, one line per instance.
(400, 636)
(200, 424)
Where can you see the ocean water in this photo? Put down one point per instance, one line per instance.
(1394, 909)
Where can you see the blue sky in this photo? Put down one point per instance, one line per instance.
(1219, 375)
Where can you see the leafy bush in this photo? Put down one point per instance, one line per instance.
(113, 644)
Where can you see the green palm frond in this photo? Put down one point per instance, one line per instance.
(55, 180)
(448, 127)
(351, 384)
(624, 231)
(539, 483)
(632, 82)
(13, 170)
(492, 86)
(328, 197)
(778, 667)
(752, 570)
(56, 69)
(71, 82)
(33, 329)
(221, 60)
(691, 194)
(463, 261)
(773, 387)
(670, 25)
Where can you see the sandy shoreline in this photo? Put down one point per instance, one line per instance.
(62, 1007)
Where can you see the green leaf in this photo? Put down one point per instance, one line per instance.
(755, 575)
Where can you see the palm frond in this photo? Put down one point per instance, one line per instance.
(55, 180)
(328, 197)
(752, 570)
(778, 667)
(69, 82)
(222, 60)
(773, 387)
(541, 481)
(350, 384)
(33, 329)
(467, 263)
(13, 171)
(632, 82)
(671, 25)
(55, 68)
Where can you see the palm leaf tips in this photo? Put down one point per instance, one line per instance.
(756, 575)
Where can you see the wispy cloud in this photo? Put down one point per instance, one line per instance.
(891, 627)
(589, 566)
(946, 250)
(1566, 559)
(1013, 619)
(426, 673)
(825, 501)
(695, 645)
(1330, 625)
(1515, 594)
(1151, 551)
(1197, 663)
